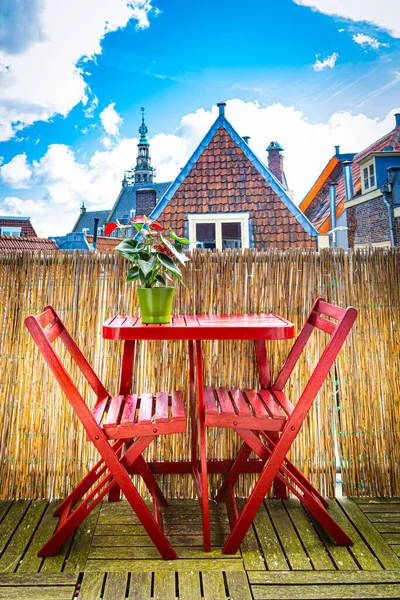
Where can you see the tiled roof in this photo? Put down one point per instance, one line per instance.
(222, 178)
(24, 223)
(9, 243)
(104, 244)
(86, 220)
(389, 142)
(126, 200)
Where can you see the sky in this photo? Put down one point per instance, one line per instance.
(310, 74)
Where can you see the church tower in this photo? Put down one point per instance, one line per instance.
(143, 171)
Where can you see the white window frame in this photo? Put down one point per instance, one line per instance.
(218, 219)
(10, 230)
(367, 167)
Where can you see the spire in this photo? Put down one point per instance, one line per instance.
(143, 172)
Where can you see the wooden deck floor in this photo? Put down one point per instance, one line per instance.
(284, 556)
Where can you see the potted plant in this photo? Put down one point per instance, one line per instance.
(156, 260)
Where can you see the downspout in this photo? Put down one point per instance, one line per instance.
(332, 207)
(96, 224)
(387, 197)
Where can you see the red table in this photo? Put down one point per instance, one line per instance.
(194, 329)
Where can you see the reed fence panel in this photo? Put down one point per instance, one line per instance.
(355, 418)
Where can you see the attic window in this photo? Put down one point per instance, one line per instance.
(369, 176)
(13, 231)
(221, 231)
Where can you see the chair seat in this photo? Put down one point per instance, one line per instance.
(248, 409)
(126, 417)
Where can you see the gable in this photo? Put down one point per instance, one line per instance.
(224, 175)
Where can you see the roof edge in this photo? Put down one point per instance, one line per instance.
(316, 187)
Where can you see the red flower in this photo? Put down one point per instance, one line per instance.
(110, 228)
(163, 249)
(143, 219)
(156, 225)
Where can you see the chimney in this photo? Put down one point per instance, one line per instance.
(337, 150)
(332, 211)
(146, 199)
(348, 179)
(275, 160)
(83, 208)
(397, 119)
(246, 139)
(221, 108)
(95, 227)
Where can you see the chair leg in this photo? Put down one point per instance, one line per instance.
(280, 489)
(234, 472)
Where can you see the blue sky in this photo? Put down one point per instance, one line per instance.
(74, 76)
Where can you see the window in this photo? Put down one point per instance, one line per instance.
(13, 231)
(221, 231)
(369, 176)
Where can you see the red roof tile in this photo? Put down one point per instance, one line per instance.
(104, 244)
(10, 243)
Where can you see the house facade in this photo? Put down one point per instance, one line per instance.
(17, 227)
(355, 201)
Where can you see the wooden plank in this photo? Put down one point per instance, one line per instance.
(144, 540)
(91, 586)
(31, 562)
(189, 585)
(21, 538)
(116, 585)
(209, 400)
(343, 556)
(388, 527)
(146, 408)
(140, 586)
(377, 501)
(238, 586)
(322, 592)
(271, 404)
(11, 521)
(164, 585)
(391, 538)
(55, 563)
(4, 506)
(43, 592)
(129, 412)
(32, 579)
(81, 543)
(252, 557)
(130, 552)
(291, 544)
(149, 565)
(239, 402)
(178, 405)
(396, 549)
(380, 508)
(99, 408)
(225, 401)
(322, 577)
(271, 548)
(383, 552)
(114, 410)
(284, 401)
(315, 549)
(213, 585)
(161, 410)
(383, 517)
(258, 407)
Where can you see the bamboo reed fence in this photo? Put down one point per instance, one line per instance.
(356, 416)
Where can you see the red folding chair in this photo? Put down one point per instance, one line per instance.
(120, 427)
(268, 424)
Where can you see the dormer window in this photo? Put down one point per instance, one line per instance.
(369, 177)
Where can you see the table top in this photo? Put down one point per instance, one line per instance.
(201, 327)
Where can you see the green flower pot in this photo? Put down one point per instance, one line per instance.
(156, 304)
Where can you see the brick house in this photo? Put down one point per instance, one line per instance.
(17, 227)
(225, 197)
(355, 201)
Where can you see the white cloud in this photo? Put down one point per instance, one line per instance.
(17, 206)
(43, 80)
(385, 14)
(367, 41)
(64, 182)
(110, 120)
(17, 173)
(330, 62)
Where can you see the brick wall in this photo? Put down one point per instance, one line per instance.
(397, 231)
(145, 201)
(275, 163)
(26, 226)
(368, 222)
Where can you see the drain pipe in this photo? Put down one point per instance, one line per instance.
(96, 225)
(387, 197)
(332, 207)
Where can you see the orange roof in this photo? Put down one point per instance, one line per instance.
(10, 243)
(333, 162)
(104, 244)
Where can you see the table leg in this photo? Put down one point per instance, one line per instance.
(128, 359)
(264, 377)
(203, 449)
(192, 400)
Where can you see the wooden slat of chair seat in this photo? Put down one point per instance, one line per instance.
(244, 409)
(124, 417)
(283, 401)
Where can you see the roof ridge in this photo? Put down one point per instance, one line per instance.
(381, 139)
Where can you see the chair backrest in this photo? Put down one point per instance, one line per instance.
(44, 329)
(338, 331)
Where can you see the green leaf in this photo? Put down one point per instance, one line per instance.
(146, 266)
(168, 263)
(138, 226)
(181, 257)
(144, 278)
(133, 274)
(178, 246)
(130, 245)
(173, 236)
(160, 279)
